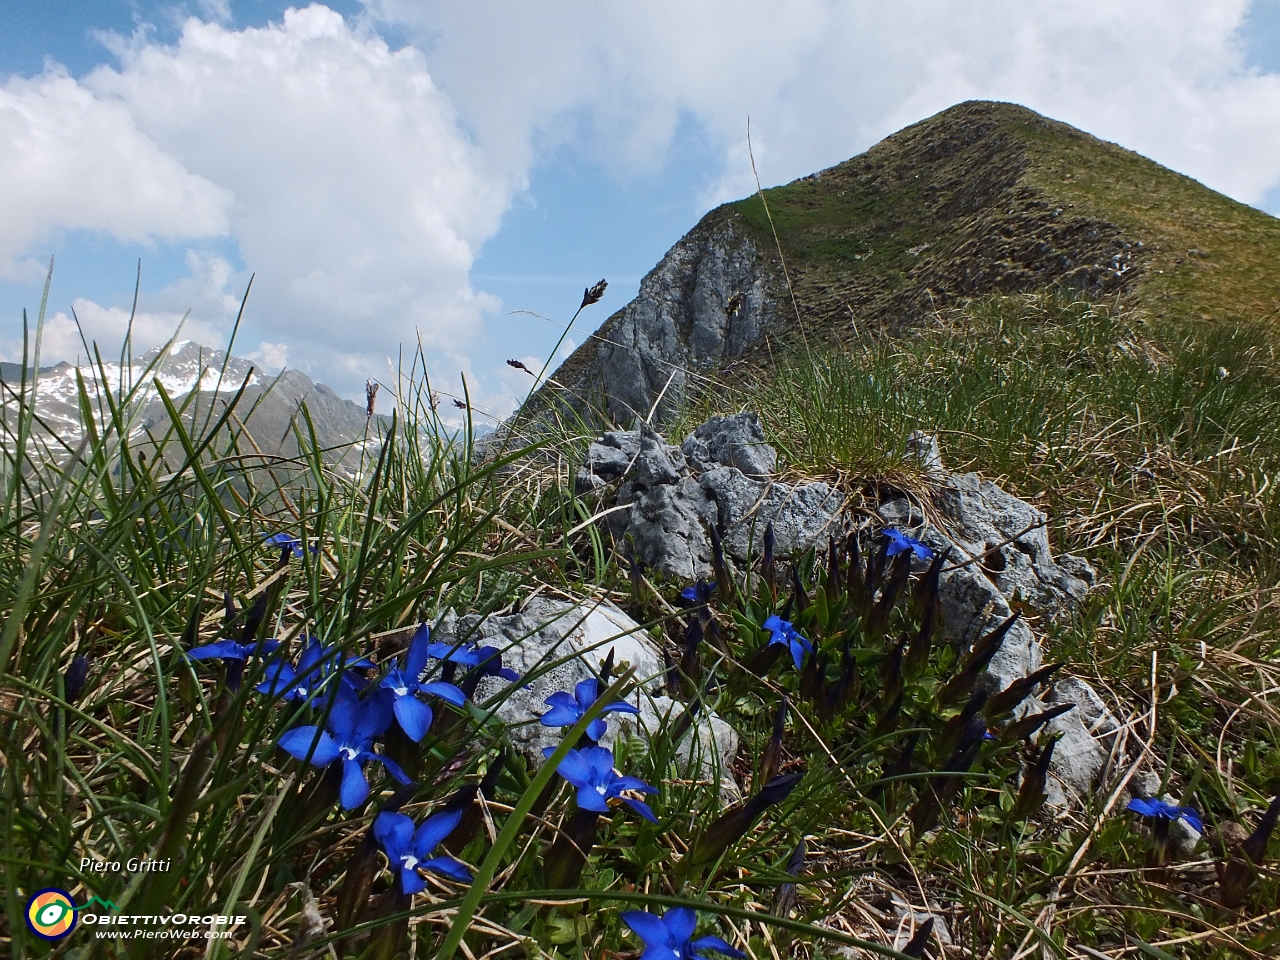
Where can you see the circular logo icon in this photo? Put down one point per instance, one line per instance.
(51, 913)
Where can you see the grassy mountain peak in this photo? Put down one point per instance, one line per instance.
(993, 197)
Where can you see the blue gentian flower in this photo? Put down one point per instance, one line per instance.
(567, 709)
(410, 851)
(786, 634)
(412, 714)
(699, 594)
(286, 540)
(591, 771)
(302, 683)
(670, 936)
(489, 659)
(1159, 810)
(900, 543)
(235, 652)
(348, 737)
(231, 650)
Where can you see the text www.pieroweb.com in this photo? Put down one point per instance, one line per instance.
(150, 927)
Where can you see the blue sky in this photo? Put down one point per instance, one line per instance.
(394, 169)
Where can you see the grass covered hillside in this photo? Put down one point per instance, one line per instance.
(992, 197)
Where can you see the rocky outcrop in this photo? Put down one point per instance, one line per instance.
(661, 501)
(1000, 558)
(666, 499)
(700, 307)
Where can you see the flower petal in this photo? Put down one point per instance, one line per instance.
(1192, 818)
(279, 678)
(434, 829)
(600, 761)
(374, 718)
(585, 692)
(342, 720)
(716, 944)
(922, 550)
(897, 541)
(415, 660)
(297, 743)
(797, 650)
(355, 788)
(395, 832)
(449, 867)
(414, 717)
(1144, 807)
(642, 808)
(633, 783)
(446, 692)
(560, 716)
(312, 654)
(393, 768)
(649, 928)
(221, 650)
(411, 881)
(596, 728)
(575, 769)
(589, 799)
(620, 706)
(562, 698)
(681, 922)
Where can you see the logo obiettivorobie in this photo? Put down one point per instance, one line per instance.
(51, 913)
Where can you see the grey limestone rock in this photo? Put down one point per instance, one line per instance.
(1012, 537)
(800, 515)
(1003, 544)
(923, 449)
(704, 303)
(971, 603)
(734, 441)
(581, 635)
(675, 495)
(1086, 738)
(669, 514)
(1001, 556)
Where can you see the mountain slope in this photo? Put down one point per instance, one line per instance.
(981, 198)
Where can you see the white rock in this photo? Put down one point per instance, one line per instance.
(567, 642)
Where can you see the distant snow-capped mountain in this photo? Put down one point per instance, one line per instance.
(268, 408)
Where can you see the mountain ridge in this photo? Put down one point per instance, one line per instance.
(982, 198)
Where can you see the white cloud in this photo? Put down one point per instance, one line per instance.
(824, 79)
(273, 357)
(340, 172)
(105, 328)
(359, 204)
(71, 161)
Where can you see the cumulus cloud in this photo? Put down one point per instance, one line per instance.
(72, 161)
(824, 79)
(359, 203)
(334, 162)
(106, 328)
